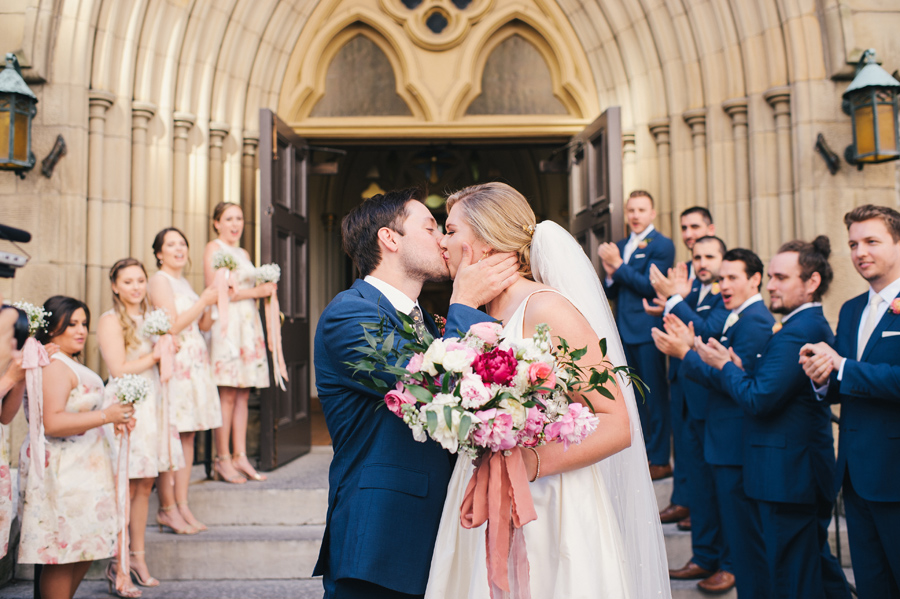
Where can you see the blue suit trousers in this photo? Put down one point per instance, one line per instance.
(650, 364)
(681, 466)
(710, 550)
(874, 544)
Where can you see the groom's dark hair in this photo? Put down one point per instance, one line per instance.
(359, 229)
(752, 263)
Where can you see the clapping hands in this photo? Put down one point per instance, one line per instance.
(676, 282)
(715, 354)
(612, 259)
(819, 360)
(677, 339)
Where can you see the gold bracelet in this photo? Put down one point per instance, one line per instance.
(537, 472)
(102, 415)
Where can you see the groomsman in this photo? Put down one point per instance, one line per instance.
(862, 372)
(788, 445)
(704, 310)
(627, 264)
(746, 331)
(696, 222)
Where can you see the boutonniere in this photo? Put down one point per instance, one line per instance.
(440, 322)
(776, 327)
(715, 288)
(643, 242)
(895, 306)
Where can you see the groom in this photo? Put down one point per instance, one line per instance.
(385, 490)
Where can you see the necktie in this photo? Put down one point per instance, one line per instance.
(630, 247)
(871, 321)
(704, 290)
(732, 318)
(418, 323)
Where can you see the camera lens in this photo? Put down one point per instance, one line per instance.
(20, 329)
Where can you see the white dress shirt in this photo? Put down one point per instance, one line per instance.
(398, 299)
(784, 319)
(735, 314)
(675, 299)
(633, 240)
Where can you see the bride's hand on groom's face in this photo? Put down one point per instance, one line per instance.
(479, 281)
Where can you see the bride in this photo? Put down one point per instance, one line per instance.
(597, 533)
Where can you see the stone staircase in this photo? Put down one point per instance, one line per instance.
(264, 538)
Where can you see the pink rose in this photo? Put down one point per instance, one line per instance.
(395, 398)
(496, 366)
(495, 431)
(541, 372)
(415, 363)
(489, 332)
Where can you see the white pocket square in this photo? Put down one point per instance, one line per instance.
(702, 308)
(890, 333)
(640, 255)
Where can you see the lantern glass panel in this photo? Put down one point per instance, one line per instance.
(887, 134)
(865, 131)
(4, 137)
(20, 148)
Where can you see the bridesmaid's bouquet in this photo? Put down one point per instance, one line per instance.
(130, 388)
(37, 316)
(271, 273)
(156, 323)
(268, 273)
(223, 259)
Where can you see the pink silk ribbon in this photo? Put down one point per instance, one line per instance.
(273, 326)
(498, 493)
(123, 511)
(221, 283)
(34, 358)
(165, 351)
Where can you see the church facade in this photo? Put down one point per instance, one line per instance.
(717, 102)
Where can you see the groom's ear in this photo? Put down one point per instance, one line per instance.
(387, 238)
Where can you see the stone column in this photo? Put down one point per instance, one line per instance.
(141, 113)
(248, 192)
(217, 134)
(629, 162)
(741, 221)
(696, 120)
(183, 123)
(779, 98)
(99, 102)
(660, 131)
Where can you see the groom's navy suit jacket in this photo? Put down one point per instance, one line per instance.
(869, 392)
(385, 490)
(788, 444)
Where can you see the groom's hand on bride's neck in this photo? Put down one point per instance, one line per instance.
(479, 281)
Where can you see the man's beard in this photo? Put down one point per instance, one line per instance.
(420, 269)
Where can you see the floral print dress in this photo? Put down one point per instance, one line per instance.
(239, 355)
(193, 397)
(6, 508)
(70, 516)
(154, 445)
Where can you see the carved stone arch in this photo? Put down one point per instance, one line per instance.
(570, 74)
(304, 83)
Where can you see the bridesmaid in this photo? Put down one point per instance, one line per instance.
(193, 400)
(154, 443)
(238, 355)
(12, 389)
(69, 518)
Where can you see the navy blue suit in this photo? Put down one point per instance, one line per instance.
(789, 460)
(630, 286)
(688, 429)
(869, 448)
(723, 450)
(380, 476)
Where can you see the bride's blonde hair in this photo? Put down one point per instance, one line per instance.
(501, 217)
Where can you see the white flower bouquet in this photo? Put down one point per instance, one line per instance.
(131, 388)
(157, 323)
(268, 273)
(37, 316)
(223, 259)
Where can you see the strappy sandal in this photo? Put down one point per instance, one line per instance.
(250, 474)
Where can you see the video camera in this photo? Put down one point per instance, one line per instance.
(10, 262)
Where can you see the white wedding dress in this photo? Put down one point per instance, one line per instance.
(597, 533)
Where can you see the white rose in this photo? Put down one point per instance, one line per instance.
(447, 434)
(457, 361)
(418, 432)
(445, 399)
(516, 410)
(433, 355)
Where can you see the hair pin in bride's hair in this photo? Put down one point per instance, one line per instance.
(528, 229)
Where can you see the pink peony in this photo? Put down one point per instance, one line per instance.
(415, 363)
(541, 372)
(496, 366)
(473, 392)
(495, 431)
(489, 332)
(534, 424)
(395, 398)
(572, 427)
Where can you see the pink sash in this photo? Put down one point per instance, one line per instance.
(498, 494)
(123, 511)
(273, 326)
(221, 283)
(34, 358)
(165, 351)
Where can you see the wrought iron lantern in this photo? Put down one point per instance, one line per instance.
(17, 109)
(872, 103)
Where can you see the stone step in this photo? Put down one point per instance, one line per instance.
(193, 589)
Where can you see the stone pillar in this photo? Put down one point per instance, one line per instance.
(696, 120)
(629, 162)
(99, 102)
(779, 98)
(248, 193)
(141, 113)
(183, 123)
(741, 221)
(660, 131)
(217, 134)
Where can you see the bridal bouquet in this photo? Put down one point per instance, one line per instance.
(37, 316)
(271, 273)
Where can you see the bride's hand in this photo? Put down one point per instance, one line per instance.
(478, 283)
